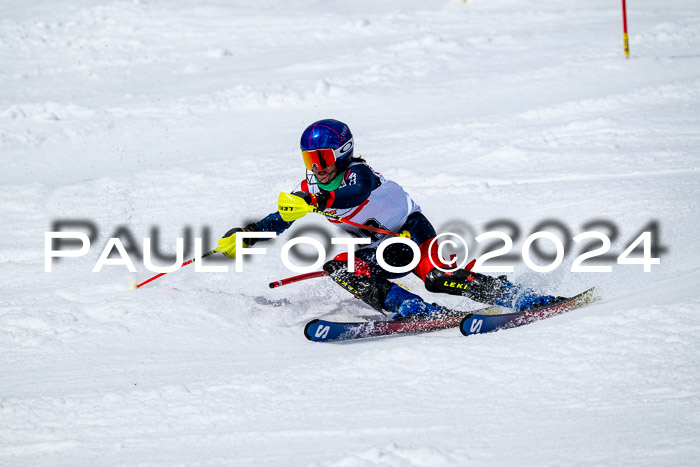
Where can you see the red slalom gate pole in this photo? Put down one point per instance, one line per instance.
(183, 265)
(300, 277)
(624, 29)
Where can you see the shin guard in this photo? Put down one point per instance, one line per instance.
(371, 290)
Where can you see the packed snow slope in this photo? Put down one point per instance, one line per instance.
(154, 116)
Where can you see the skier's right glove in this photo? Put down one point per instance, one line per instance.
(318, 201)
(306, 196)
(227, 244)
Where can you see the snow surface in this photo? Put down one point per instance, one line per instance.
(171, 114)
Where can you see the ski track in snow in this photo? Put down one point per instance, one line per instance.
(165, 115)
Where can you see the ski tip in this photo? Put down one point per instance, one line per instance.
(462, 326)
(306, 329)
(587, 297)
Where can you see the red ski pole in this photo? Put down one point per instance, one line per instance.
(624, 29)
(183, 265)
(300, 277)
(359, 226)
(292, 207)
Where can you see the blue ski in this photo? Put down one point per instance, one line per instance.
(480, 323)
(319, 330)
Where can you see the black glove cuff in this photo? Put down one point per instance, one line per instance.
(305, 196)
(247, 228)
(322, 199)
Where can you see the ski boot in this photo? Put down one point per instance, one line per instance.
(530, 301)
(407, 305)
(522, 299)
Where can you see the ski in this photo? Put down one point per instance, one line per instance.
(479, 323)
(319, 330)
(474, 322)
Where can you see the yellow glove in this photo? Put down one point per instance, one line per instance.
(227, 244)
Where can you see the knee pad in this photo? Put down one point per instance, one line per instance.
(478, 287)
(453, 283)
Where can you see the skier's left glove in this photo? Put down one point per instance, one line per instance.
(227, 244)
(319, 201)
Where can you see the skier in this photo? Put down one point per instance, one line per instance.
(342, 183)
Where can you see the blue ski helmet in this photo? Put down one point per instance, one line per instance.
(325, 142)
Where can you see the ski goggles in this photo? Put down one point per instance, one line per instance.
(321, 158)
